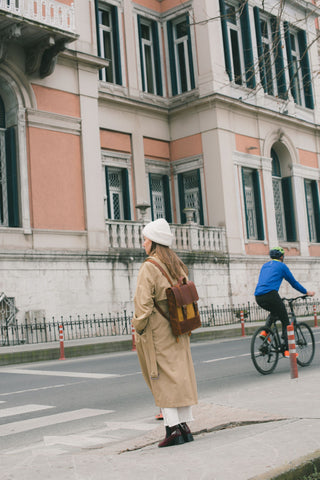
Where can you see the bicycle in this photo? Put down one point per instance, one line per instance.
(265, 350)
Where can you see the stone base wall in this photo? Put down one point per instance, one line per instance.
(64, 284)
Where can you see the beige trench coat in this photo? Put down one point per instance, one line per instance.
(166, 364)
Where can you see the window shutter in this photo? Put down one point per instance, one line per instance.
(190, 55)
(263, 79)
(116, 44)
(96, 3)
(173, 71)
(247, 46)
(126, 194)
(108, 191)
(181, 198)
(200, 198)
(2, 114)
(166, 191)
(225, 38)
(305, 68)
(245, 201)
(157, 57)
(308, 215)
(289, 209)
(258, 204)
(12, 178)
(316, 209)
(151, 197)
(290, 62)
(141, 53)
(279, 63)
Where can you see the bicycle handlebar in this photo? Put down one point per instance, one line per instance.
(290, 300)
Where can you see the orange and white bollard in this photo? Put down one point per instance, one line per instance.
(292, 351)
(243, 334)
(159, 416)
(315, 315)
(61, 339)
(133, 339)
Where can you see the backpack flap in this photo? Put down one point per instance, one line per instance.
(185, 292)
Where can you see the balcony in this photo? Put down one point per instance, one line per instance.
(41, 27)
(187, 237)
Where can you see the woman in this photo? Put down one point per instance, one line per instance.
(166, 363)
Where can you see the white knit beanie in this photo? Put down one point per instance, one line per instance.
(159, 232)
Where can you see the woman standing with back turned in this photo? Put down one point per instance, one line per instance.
(166, 363)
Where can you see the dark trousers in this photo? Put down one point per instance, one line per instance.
(272, 302)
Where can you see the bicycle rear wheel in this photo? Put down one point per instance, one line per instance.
(305, 344)
(264, 351)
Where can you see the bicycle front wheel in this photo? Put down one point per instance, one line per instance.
(264, 351)
(305, 344)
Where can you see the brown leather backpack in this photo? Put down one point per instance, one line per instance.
(182, 303)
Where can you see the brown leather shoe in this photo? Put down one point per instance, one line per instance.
(186, 433)
(173, 437)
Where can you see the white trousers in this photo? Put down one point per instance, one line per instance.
(174, 416)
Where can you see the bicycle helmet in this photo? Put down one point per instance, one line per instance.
(276, 253)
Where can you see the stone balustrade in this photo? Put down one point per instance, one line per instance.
(50, 12)
(187, 237)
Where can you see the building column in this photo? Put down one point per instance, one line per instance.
(301, 211)
(271, 225)
(141, 194)
(24, 181)
(91, 158)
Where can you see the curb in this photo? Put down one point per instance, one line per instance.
(53, 353)
(295, 470)
(99, 345)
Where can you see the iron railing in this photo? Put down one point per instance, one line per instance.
(42, 330)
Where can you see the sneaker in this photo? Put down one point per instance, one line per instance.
(287, 354)
(264, 334)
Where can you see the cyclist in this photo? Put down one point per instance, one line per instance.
(266, 293)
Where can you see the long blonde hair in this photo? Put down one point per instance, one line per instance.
(175, 266)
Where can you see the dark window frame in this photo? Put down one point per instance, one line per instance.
(114, 39)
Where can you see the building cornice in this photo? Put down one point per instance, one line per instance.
(84, 59)
(191, 101)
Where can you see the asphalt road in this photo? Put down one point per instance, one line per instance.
(98, 399)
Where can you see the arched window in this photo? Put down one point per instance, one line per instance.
(9, 198)
(278, 197)
(283, 202)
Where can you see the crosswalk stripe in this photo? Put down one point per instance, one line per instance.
(50, 373)
(33, 423)
(20, 410)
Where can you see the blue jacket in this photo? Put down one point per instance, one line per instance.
(271, 275)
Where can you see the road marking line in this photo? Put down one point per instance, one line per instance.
(50, 373)
(144, 427)
(82, 441)
(226, 358)
(33, 423)
(62, 385)
(20, 410)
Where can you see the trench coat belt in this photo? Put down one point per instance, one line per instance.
(150, 351)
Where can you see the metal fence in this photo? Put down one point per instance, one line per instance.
(42, 330)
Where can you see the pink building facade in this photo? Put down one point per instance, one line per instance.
(113, 113)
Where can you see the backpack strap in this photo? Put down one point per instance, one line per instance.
(167, 277)
(161, 269)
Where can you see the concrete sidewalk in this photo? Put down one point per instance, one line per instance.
(264, 431)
